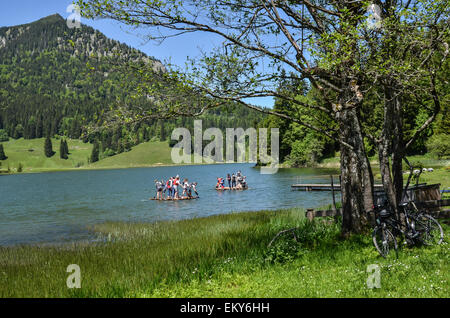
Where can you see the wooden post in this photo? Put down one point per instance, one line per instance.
(310, 214)
(334, 200)
(332, 191)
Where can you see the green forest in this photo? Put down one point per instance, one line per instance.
(56, 81)
(300, 146)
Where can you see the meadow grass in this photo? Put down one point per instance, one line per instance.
(144, 154)
(439, 175)
(428, 160)
(223, 256)
(30, 154)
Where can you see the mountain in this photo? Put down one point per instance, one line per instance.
(50, 33)
(45, 84)
(48, 86)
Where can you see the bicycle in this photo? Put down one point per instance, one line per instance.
(420, 227)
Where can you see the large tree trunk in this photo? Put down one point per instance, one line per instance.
(356, 174)
(385, 171)
(398, 149)
(391, 145)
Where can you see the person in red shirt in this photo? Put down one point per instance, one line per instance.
(175, 187)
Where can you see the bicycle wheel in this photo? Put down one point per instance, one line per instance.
(283, 236)
(431, 232)
(384, 241)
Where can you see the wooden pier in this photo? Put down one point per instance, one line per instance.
(323, 187)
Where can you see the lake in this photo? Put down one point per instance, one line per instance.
(59, 206)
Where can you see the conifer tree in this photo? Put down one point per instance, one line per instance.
(66, 147)
(2, 153)
(163, 132)
(95, 152)
(48, 148)
(62, 150)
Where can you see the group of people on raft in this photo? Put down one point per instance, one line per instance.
(236, 181)
(173, 186)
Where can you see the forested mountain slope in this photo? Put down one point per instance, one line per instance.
(54, 80)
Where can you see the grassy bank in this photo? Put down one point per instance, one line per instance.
(441, 173)
(223, 256)
(427, 160)
(30, 154)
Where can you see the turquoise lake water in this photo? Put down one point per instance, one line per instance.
(59, 206)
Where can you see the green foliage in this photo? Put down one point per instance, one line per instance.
(20, 167)
(300, 146)
(2, 153)
(306, 151)
(369, 147)
(108, 152)
(394, 57)
(18, 132)
(3, 135)
(439, 145)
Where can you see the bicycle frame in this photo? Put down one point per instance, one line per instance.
(413, 228)
(392, 222)
(395, 225)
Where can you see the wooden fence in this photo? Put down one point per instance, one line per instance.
(434, 207)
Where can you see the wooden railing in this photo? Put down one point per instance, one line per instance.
(431, 204)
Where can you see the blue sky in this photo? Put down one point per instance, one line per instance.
(174, 50)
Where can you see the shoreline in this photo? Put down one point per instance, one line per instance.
(328, 163)
(43, 170)
(219, 256)
(98, 236)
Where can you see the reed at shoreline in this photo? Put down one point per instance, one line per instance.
(222, 256)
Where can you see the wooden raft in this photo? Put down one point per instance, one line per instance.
(179, 199)
(228, 188)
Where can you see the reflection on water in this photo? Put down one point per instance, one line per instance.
(58, 206)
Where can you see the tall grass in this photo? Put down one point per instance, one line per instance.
(220, 256)
(136, 255)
